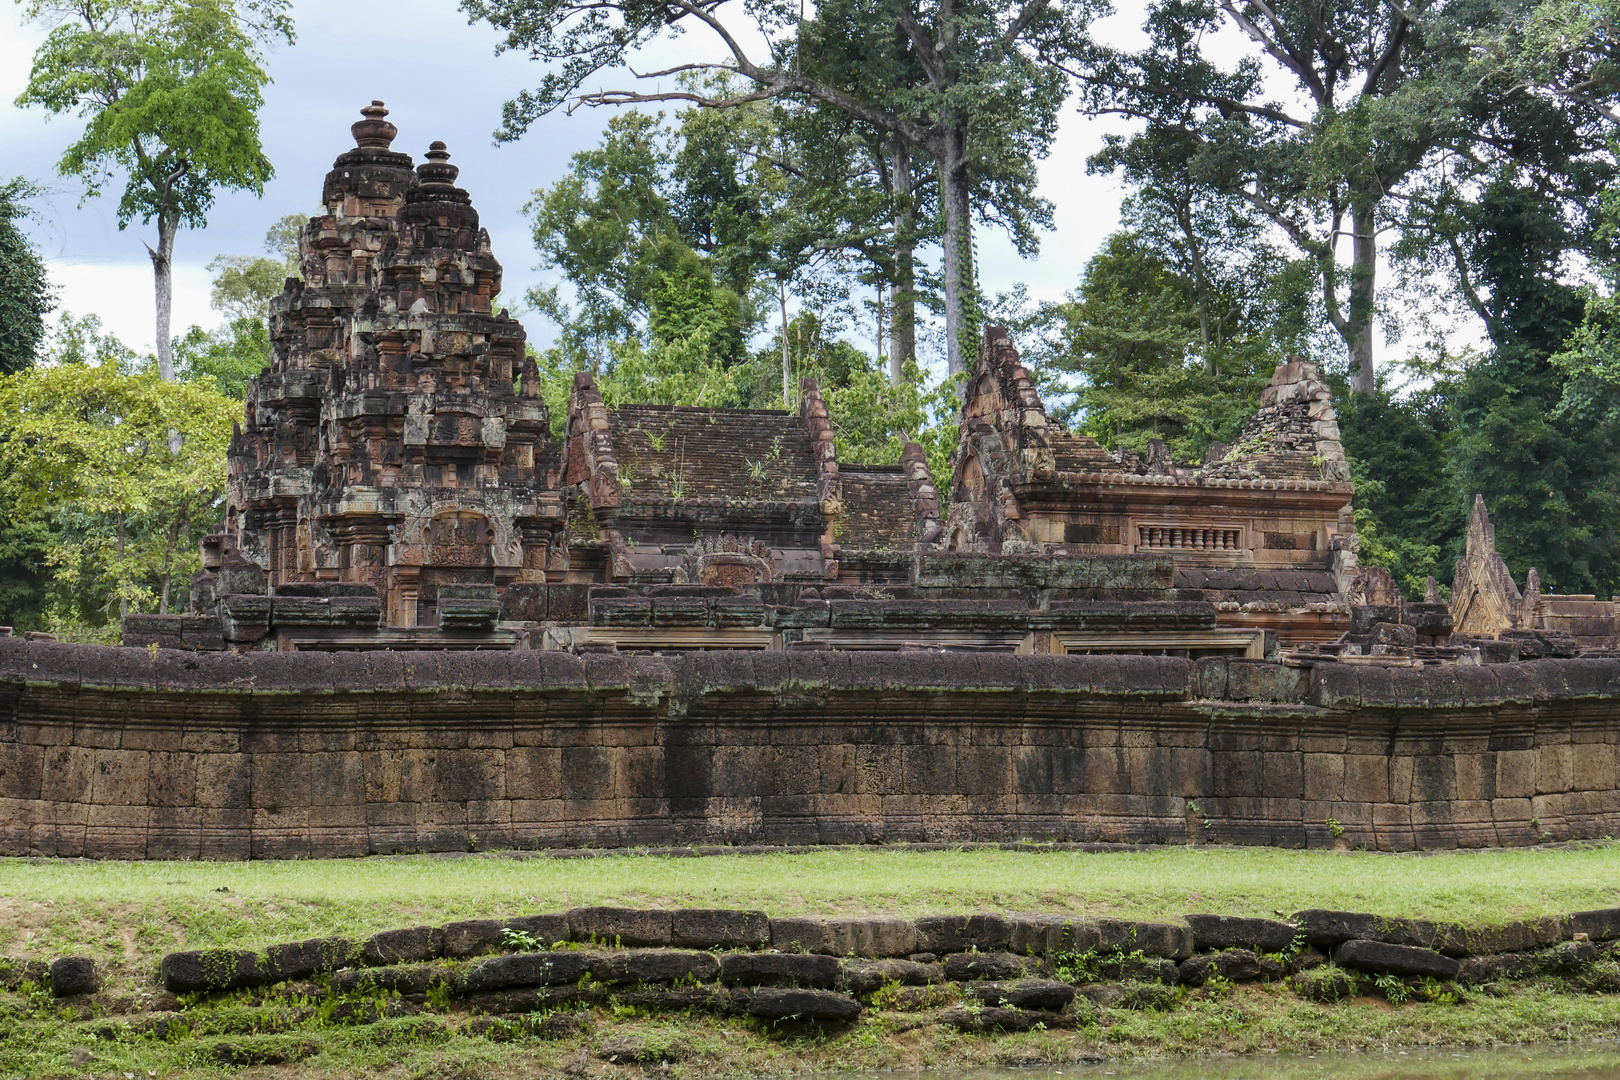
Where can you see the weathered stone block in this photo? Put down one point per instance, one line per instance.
(959, 933)
(525, 969)
(865, 976)
(780, 1004)
(211, 969)
(1023, 994)
(709, 928)
(408, 946)
(776, 969)
(1396, 959)
(872, 936)
(960, 967)
(621, 926)
(74, 975)
(1230, 931)
(653, 966)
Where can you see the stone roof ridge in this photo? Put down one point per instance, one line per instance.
(1024, 423)
(1484, 597)
(829, 486)
(589, 458)
(1293, 431)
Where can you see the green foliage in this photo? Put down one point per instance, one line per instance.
(1408, 505)
(1131, 333)
(170, 92)
(84, 444)
(25, 293)
(227, 358)
(1549, 476)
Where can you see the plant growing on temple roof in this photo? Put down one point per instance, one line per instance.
(170, 91)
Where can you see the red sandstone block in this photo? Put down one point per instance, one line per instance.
(120, 777)
(66, 773)
(1516, 774)
(172, 779)
(224, 781)
(97, 735)
(152, 736)
(211, 740)
(1555, 769)
(280, 780)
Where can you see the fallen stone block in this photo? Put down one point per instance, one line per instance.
(525, 969)
(961, 967)
(211, 969)
(989, 1018)
(74, 975)
(959, 933)
(409, 946)
(653, 966)
(1324, 984)
(1230, 932)
(865, 976)
(306, 959)
(878, 936)
(621, 927)
(780, 1004)
(776, 969)
(414, 979)
(1395, 959)
(707, 928)
(532, 999)
(1023, 993)
(1236, 965)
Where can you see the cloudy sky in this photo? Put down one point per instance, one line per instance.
(441, 80)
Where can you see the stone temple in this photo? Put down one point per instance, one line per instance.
(396, 484)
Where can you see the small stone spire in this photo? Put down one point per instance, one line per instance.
(374, 132)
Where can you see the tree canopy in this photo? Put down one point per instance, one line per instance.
(170, 92)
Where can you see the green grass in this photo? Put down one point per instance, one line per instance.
(128, 914)
(132, 910)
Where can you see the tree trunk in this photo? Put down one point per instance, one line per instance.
(163, 279)
(960, 314)
(168, 560)
(903, 320)
(787, 372)
(1363, 283)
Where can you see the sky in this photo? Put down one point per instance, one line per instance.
(441, 79)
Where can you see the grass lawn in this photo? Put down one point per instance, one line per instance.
(127, 915)
(133, 908)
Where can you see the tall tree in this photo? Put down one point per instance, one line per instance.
(987, 85)
(25, 293)
(1548, 475)
(170, 91)
(1379, 91)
